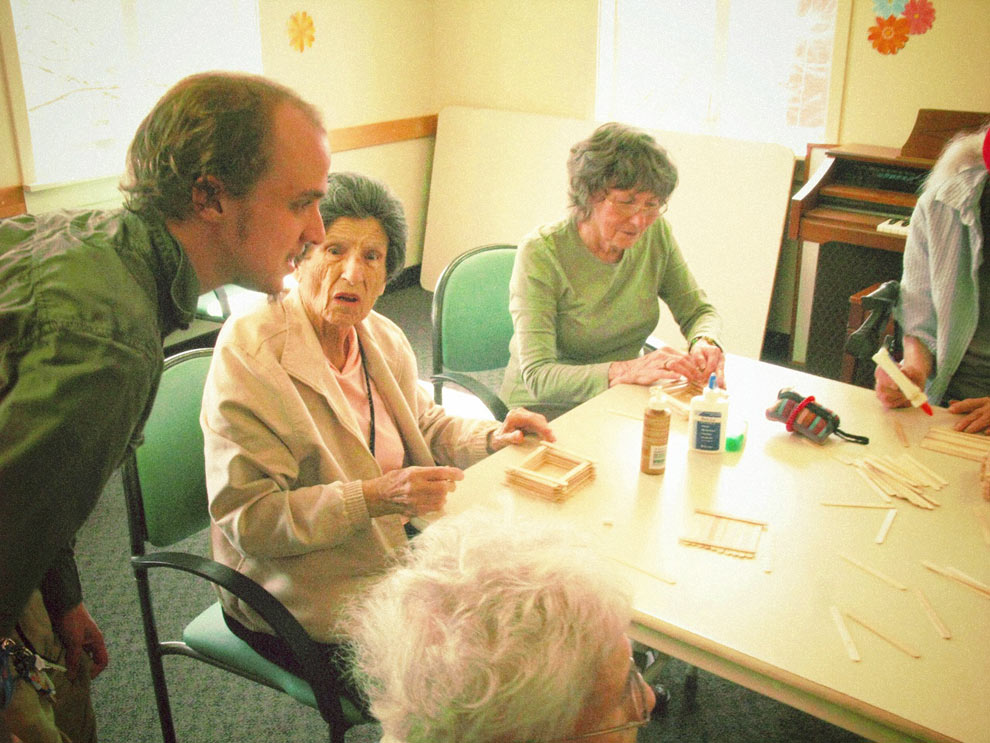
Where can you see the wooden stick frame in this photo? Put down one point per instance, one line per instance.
(578, 470)
(729, 535)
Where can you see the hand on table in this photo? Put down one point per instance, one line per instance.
(411, 491)
(662, 364)
(707, 359)
(79, 634)
(517, 424)
(975, 412)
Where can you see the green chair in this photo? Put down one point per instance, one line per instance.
(165, 488)
(471, 322)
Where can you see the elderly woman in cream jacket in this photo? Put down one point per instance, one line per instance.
(319, 441)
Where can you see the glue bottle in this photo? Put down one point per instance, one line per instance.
(656, 428)
(707, 419)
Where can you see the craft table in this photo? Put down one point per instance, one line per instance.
(766, 623)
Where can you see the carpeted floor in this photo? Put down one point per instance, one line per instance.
(210, 706)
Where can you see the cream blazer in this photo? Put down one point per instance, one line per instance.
(285, 459)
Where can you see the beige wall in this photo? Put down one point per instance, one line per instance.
(376, 60)
(536, 56)
(947, 67)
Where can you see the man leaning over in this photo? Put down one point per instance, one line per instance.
(222, 186)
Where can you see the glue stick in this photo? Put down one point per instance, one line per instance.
(707, 419)
(656, 428)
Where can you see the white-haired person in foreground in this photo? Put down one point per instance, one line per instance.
(499, 630)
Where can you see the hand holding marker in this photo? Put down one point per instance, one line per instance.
(914, 395)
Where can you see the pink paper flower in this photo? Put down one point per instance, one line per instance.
(920, 15)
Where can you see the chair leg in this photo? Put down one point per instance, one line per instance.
(155, 659)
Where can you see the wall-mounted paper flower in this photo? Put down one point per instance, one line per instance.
(920, 15)
(301, 31)
(889, 35)
(885, 8)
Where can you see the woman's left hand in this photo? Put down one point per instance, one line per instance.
(976, 412)
(517, 424)
(705, 359)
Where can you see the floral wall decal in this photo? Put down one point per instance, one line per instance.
(302, 32)
(898, 19)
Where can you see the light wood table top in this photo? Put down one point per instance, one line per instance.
(766, 622)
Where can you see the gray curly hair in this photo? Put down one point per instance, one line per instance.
(617, 156)
(489, 630)
(358, 196)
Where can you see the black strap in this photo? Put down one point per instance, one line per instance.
(371, 402)
(855, 438)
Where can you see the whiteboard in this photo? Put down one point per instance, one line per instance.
(498, 175)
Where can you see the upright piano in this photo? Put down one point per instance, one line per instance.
(857, 207)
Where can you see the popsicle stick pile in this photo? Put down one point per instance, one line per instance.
(902, 477)
(945, 440)
(551, 472)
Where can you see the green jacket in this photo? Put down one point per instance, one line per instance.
(86, 298)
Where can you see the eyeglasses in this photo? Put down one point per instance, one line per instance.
(636, 684)
(628, 208)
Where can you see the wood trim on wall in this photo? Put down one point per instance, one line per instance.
(12, 201)
(383, 132)
(347, 138)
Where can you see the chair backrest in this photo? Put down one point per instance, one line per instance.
(471, 322)
(165, 479)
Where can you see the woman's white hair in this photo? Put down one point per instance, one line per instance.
(963, 151)
(491, 629)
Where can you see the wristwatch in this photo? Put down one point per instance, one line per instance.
(707, 339)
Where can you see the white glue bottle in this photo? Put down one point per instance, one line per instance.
(707, 420)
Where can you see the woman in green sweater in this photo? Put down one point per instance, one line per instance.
(583, 294)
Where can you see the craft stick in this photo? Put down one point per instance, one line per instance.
(903, 473)
(844, 459)
(532, 474)
(984, 520)
(718, 515)
(930, 499)
(570, 455)
(945, 448)
(900, 646)
(656, 576)
(840, 624)
(960, 438)
(873, 486)
(882, 534)
(837, 504)
(947, 572)
(927, 470)
(899, 430)
(873, 571)
(890, 472)
(968, 580)
(634, 416)
(930, 611)
(768, 553)
(535, 456)
(920, 476)
(717, 546)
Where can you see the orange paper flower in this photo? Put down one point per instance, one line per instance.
(301, 31)
(889, 35)
(920, 15)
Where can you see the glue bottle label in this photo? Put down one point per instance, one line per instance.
(708, 431)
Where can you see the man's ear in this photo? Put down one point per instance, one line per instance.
(207, 194)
